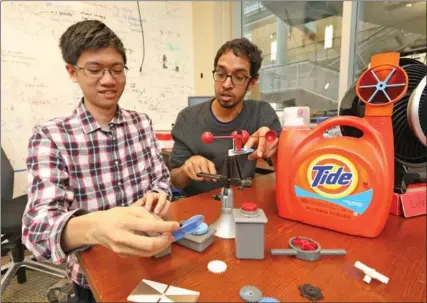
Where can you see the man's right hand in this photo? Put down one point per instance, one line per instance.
(198, 164)
(121, 230)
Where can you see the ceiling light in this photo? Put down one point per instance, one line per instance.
(329, 36)
(273, 51)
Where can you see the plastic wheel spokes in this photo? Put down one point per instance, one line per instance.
(382, 84)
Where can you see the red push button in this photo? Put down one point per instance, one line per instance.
(249, 207)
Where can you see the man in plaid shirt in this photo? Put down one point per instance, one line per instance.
(83, 167)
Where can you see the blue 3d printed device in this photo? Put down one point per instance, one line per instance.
(188, 227)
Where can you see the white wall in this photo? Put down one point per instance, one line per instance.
(212, 27)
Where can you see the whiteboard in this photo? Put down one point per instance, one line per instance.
(35, 86)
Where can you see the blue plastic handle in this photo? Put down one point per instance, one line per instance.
(189, 226)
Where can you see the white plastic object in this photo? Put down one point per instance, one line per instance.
(370, 273)
(296, 112)
(217, 266)
(164, 139)
(294, 121)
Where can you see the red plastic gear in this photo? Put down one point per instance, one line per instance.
(305, 244)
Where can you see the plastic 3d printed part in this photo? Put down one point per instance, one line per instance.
(189, 226)
(250, 293)
(217, 266)
(201, 241)
(370, 273)
(250, 224)
(200, 230)
(151, 291)
(268, 300)
(310, 292)
(306, 249)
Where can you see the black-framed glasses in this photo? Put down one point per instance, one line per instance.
(235, 79)
(95, 72)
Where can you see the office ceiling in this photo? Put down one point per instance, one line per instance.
(408, 16)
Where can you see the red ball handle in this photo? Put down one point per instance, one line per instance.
(207, 137)
(270, 136)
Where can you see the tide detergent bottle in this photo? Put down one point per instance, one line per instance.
(344, 183)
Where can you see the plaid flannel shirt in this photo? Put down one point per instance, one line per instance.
(76, 167)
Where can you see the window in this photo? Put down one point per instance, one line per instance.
(388, 26)
(301, 44)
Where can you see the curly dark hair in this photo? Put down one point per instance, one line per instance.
(242, 47)
(88, 34)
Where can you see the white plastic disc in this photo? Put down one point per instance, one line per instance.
(217, 266)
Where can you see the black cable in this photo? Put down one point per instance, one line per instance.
(143, 39)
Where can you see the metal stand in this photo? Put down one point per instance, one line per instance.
(225, 225)
(13, 267)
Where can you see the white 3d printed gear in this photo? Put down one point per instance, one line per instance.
(217, 266)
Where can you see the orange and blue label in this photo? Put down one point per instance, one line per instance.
(335, 179)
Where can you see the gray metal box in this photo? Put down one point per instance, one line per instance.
(198, 243)
(250, 243)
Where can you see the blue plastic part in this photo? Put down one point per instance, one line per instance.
(200, 230)
(243, 151)
(189, 226)
(268, 299)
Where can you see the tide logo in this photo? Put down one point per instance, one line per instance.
(332, 176)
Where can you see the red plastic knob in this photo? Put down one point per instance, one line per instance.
(270, 136)
(249, 206)
(207, 137)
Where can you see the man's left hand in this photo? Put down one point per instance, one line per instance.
(156, 201)
(264, 149)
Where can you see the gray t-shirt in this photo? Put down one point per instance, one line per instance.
(194, 120)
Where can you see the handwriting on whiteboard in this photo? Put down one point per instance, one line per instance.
(35, 86)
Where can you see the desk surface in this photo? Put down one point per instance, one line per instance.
(398, 253)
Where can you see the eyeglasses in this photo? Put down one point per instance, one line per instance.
(235, 79)
(94, 72)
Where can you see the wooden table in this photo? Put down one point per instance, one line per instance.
(398, 253)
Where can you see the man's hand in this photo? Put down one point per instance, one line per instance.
(120, 229)
(264, 149)
(198, 164)
(158, 201)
